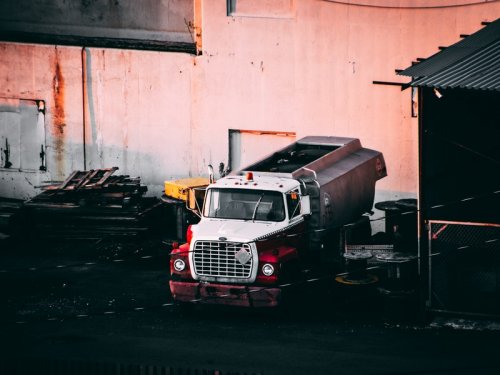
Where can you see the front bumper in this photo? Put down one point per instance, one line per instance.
(223, 294)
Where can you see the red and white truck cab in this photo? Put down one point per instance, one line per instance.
(260, 227)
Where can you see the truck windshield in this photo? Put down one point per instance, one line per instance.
(240, 204)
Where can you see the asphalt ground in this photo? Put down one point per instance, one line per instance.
(106, 304)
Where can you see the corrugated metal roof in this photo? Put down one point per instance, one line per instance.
(471, 63)
(479, 71)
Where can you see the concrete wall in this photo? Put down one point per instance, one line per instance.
(137, 111)
(308, 67)
(304, 66)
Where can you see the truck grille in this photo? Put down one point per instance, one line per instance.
(218, 259)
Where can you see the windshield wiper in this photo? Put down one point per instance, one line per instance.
(256, 206)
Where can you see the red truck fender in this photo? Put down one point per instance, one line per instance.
(179, 262)
(278, 259)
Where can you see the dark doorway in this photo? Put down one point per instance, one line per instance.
(460, 160)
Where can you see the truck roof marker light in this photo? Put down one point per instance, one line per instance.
(249, 176)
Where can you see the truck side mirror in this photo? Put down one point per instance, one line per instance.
(305, 205)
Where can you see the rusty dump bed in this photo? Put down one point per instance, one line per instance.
(310, 154)
(339, 174)
(293, 158)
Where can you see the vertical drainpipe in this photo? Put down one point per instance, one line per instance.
(193, 83)
(84, 105)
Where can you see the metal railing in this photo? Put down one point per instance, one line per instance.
(464, 268)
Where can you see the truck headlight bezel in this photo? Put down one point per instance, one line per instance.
(267, 269)
(179, 265)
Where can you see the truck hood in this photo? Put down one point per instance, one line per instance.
(235, 230)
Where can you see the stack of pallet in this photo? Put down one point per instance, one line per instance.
(92, 205)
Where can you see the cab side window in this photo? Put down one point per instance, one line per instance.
(293, 203)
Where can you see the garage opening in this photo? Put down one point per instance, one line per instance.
(249, 146)
(461, 155)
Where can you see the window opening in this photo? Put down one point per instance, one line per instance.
(293, 203)
(22, 134)
(260, 8)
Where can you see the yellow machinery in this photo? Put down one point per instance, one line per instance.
(185, 198)
(189, 190)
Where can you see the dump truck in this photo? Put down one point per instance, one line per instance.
(263, 225)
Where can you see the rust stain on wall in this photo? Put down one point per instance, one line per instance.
(58, 117)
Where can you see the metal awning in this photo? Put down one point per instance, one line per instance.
(472, 63)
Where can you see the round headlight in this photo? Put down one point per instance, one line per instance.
(267, 269)
(179, 265)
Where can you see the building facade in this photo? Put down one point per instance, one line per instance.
(263, 74)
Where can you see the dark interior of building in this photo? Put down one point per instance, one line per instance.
(460, 151)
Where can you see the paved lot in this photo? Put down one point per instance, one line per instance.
(109, 303)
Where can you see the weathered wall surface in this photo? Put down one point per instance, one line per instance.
(136, 107)
(299, 66)
(50, 74)
(308, 68)
(138, 114)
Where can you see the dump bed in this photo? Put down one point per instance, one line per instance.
(339, 175)
(306, 155)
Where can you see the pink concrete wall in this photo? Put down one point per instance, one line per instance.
(310, 71)
(51, 74)
(137, 111)
(306, 67)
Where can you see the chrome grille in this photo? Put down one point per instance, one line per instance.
(218, 259)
